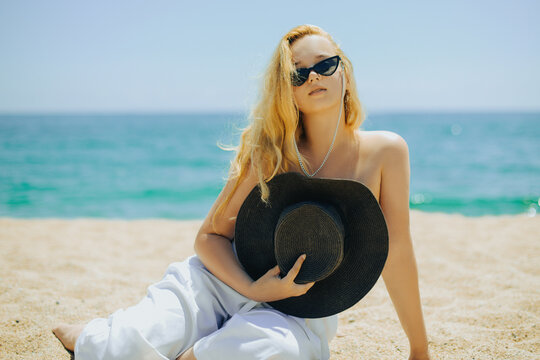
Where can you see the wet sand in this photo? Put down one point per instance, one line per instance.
(479, 281)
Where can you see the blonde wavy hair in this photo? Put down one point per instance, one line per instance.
(266, 145)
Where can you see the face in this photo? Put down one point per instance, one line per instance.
(306, 52)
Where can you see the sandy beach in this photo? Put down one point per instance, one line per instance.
(479, 281)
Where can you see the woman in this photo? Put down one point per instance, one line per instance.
(306, 121)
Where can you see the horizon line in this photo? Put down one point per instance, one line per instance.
(244, 112)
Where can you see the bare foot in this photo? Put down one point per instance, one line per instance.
(68, 334)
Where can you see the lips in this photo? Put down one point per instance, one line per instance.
(319, 88)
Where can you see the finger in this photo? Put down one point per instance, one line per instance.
(309, 285)
(275, 271)
(302, 289)
(291, 275)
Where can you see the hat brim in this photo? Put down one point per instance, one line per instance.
(365, 245)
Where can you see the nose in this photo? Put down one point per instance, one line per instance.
(313, 72)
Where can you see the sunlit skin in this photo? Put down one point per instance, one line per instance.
(378, 159)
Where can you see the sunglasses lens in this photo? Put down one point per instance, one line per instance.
(299, 77)
(327, 67)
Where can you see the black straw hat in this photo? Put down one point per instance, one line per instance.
(339, 225)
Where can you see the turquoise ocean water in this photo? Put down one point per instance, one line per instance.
(169, 166)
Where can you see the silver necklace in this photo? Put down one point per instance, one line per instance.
(329, 150)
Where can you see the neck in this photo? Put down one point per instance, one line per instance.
(319, 129)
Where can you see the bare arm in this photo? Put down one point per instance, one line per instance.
(400, 272)
(214, 248)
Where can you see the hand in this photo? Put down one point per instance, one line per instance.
(271, 287)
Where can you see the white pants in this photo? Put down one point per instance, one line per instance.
(191, 307)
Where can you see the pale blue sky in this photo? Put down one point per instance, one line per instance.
(172, 56)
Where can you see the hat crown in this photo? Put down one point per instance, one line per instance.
(314, 229)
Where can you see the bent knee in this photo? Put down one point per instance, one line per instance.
(257, 334)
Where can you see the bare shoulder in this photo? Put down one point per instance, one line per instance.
(383, 146)
(382, 140)
(392, 155)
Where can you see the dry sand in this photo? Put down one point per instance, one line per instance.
(479, 281)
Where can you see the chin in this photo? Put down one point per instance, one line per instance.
(317, 106)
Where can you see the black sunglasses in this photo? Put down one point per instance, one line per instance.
(325, 67)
